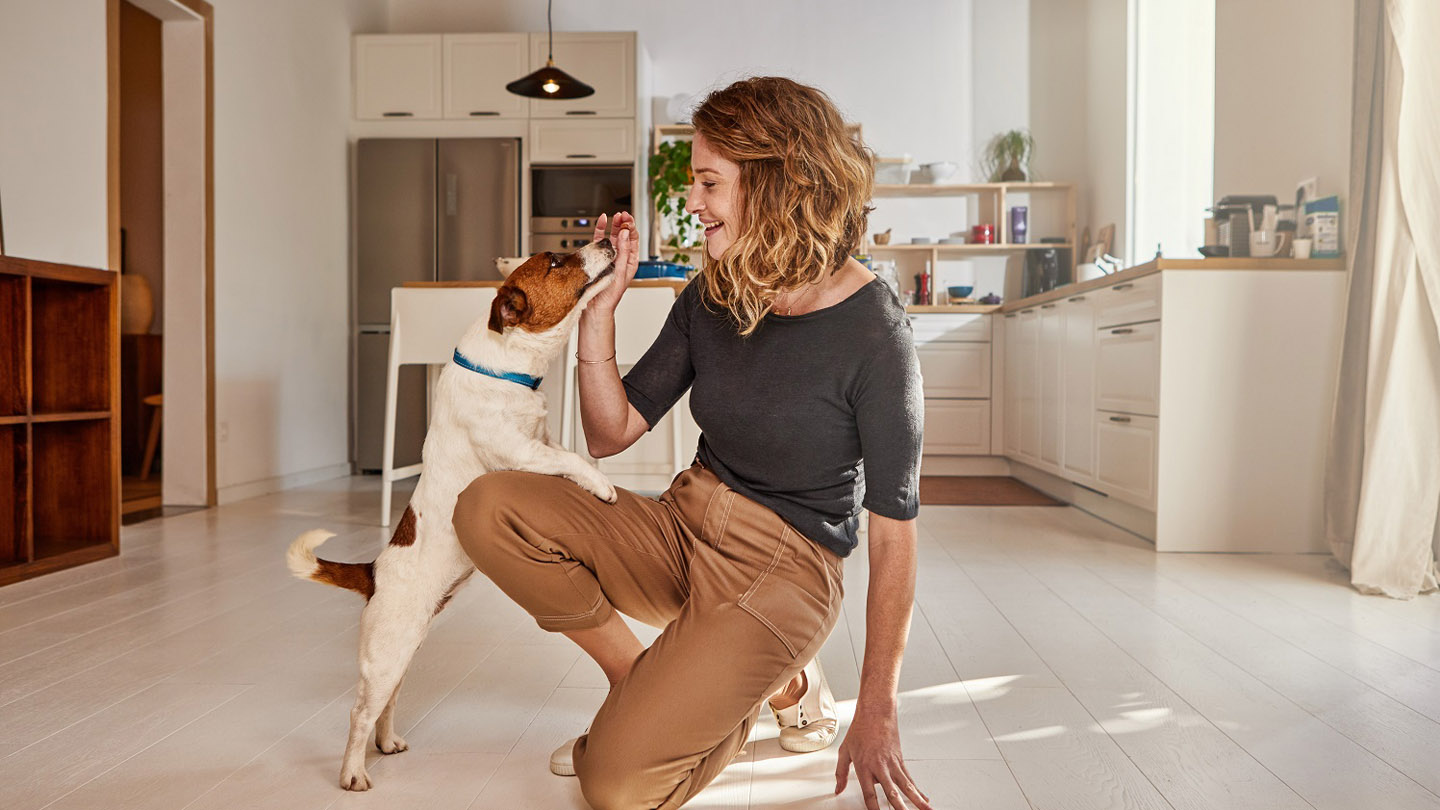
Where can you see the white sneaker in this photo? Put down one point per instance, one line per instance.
(812, 723)
(562, 759)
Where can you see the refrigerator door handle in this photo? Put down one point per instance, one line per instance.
(452, 183)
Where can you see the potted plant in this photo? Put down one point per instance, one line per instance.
(670, 178)
(1007, 156)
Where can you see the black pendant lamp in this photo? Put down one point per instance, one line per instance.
(550, 81)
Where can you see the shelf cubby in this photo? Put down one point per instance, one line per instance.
(59, 464)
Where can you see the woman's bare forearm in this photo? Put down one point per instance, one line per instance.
(887, 612)
(608, 418)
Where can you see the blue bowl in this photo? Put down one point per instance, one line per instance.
(659, 269)
(960, 292)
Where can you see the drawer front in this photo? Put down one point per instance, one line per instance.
(600, 141)
(1125, 451)
(1128, 302)
(950, 328)
(1127, 369)
(955, 369)
(957, 427)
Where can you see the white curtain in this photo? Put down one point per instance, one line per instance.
(1382, 513)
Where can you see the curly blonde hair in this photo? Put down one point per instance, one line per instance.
(805, 184)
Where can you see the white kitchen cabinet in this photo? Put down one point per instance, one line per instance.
(477, 68)
(950, 327)
(582, 141)
(957, 427)
(398, 76)
(1127, 369)
(1125, 455)
(1049, 351)
(603, 60)
(1077, 388)
(1027, 377)
(1010, 410)
(1129, 302)
(955, 370)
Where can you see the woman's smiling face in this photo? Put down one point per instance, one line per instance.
(715, 197)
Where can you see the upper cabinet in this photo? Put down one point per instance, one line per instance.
(477, 68)
(398, 76)
(605, 61)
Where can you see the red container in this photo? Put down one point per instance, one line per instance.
(982, 235)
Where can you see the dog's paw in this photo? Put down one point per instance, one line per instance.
(605, 491)
(394, 745)
(356, 780)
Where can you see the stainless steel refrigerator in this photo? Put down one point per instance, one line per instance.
(426, 210)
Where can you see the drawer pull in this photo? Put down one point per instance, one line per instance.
(1009, 314)
(1076, 298)
(1047, 306)
(576, 157)
(580, 112)
(1122, 331)
(483, 112)
(1119, 287)
(397, 114)
(1120, 419)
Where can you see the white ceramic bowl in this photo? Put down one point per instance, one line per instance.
(937, 172)
(893, 171)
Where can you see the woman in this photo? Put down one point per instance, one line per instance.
(801, 367)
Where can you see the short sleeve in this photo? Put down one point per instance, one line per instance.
(890, 417)
(665, 372)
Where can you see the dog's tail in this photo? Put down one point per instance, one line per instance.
(358, 577)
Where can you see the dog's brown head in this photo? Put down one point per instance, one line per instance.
(542, 291)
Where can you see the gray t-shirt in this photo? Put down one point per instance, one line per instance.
(814, 416)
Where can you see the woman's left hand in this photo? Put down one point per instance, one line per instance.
(872, 746)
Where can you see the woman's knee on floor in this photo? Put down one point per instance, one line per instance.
(610, 783)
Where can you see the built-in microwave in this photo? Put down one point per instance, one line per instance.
(565, 201)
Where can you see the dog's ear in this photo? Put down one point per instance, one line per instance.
(509, 308)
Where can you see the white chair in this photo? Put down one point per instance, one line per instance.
(426, 324)
(638, 319)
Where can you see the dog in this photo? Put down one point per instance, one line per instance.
(487, 416)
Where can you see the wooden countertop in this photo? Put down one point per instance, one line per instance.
(639, 282)
(1162, 264)
(977, 309)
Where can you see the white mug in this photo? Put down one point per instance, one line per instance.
(1262, 243)
(1302, 248)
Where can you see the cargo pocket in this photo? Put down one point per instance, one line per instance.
(786, 608)
(717, 516)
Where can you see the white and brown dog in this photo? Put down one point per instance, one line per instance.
(487, 416)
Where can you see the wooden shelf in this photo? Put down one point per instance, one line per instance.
(59, 413)
(992, 248)
(963, 189)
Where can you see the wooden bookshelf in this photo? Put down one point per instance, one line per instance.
(59, 417)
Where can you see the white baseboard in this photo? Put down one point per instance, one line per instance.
(265, 486)
(964, 465)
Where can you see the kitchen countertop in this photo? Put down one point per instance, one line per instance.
(639, 282)
(1158, 265)
(977, 309)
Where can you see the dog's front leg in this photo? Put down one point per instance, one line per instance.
(555, 460)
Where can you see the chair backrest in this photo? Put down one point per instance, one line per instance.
(638, 319)
(427, 323)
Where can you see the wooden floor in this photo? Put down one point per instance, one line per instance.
(1054, 662)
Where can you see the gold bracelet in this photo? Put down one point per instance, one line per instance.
(593, 362)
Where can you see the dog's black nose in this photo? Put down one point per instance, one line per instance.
(604, 242)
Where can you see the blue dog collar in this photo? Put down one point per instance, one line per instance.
(524, 379)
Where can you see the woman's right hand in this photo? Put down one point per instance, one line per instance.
(626, 240)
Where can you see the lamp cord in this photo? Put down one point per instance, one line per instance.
(550, 32)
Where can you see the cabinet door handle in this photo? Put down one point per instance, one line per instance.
(397, 114)
(1047, 306)
(573, 157)
(1010, 315)
(1076, 298)
(1125, 331)
(1120, 419)
(483, 112)
(1119, 287)
(580, 112)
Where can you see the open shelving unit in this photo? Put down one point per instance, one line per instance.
(59, 417)
(992, 207)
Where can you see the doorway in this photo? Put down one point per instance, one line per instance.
(161, 224)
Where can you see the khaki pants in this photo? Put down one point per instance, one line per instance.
(744, 599)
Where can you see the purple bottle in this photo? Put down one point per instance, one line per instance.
(1019, 220)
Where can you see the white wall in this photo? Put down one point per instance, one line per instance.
(1282, 95)
(52, 131)
(282, 89)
